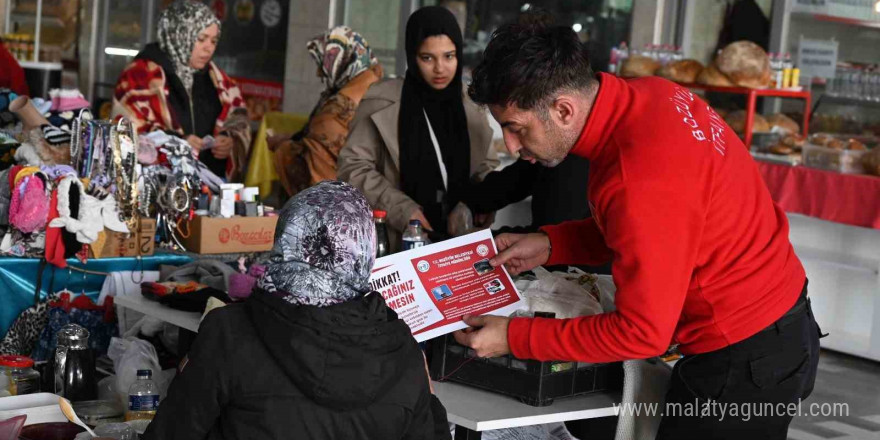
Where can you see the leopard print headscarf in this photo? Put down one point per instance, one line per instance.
(179, 27)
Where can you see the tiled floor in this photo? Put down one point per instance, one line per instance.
(846, 380)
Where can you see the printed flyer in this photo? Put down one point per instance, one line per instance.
(432, 287)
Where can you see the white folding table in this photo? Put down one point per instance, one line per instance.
(473, 410)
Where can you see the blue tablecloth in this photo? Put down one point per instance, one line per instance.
(18, 279)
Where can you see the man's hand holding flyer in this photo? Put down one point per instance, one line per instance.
(432, 287)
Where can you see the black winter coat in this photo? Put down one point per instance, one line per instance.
(268, 370)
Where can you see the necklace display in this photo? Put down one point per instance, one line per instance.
(104, 157)
(170, 194)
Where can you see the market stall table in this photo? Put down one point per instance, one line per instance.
(851, 199)
(18, 279)
(185, 320)
(835, 230)
(473, 410)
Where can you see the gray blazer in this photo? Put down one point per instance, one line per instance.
(370, 159)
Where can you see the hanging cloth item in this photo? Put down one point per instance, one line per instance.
(23, 335)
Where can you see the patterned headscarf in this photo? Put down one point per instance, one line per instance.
(179, 27)
(342, 54)
(325, 247)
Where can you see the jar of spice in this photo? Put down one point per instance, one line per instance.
(22, 378)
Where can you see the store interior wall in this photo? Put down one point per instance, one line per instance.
(706, 24)
(857, 44)
(644, 21)
(302, 87)
(3, 5)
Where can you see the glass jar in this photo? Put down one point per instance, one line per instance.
(22, 378)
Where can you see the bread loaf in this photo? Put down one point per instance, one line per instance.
(638, 66)
(683, 71)
(745, 63)
(737, 121)
(783, 122)
(711, 76)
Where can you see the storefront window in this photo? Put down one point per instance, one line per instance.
(601, 24)
(379, 22)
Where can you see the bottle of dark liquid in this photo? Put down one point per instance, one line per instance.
(383, 247)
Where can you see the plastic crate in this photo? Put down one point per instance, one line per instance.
(532, 382)
(841, 161)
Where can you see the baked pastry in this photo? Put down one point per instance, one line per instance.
(783, 122)
(737, 121)
(836, 144)
(637, 66)
(795, 141)
(855, 145)
(821, 140)
(781, 149)
(683, 71)
(745, 63)
(711, 76)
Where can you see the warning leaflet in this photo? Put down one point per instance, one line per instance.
(432, 287)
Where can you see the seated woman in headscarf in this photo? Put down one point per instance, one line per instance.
(416, 143)
(313, 353)
(174, 86)
(348, 68)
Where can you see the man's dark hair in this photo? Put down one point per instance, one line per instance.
(528, 65)
(536, 16)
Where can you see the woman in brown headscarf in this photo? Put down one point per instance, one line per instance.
(348, 68)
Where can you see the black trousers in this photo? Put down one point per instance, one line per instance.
(748, 390)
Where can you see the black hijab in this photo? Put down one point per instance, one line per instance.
(420, 176)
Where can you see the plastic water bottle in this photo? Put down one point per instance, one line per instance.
(412, 236)
(382, 246)
(143, 397)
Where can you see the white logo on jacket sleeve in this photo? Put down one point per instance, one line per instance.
(682, 99)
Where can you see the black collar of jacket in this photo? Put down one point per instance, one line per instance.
(343, 356)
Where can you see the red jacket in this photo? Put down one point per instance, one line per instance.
(11, 73)
(700, 252)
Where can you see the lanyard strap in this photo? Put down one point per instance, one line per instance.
(437, 151)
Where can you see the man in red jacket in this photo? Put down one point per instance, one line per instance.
(700, 252)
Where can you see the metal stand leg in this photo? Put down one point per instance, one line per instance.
(462, 433)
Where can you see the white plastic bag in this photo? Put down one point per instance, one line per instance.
(560, 293)
(130, 355)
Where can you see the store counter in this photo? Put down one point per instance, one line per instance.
(851, 199)
(835, 230)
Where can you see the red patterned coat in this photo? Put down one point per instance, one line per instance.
(141, 95)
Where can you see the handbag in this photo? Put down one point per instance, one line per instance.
(25, 331)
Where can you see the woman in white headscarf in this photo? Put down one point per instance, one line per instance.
(173, 86)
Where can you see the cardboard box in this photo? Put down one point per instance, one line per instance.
(212, 235)
(117, 244)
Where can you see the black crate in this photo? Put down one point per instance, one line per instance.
(532, 382)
